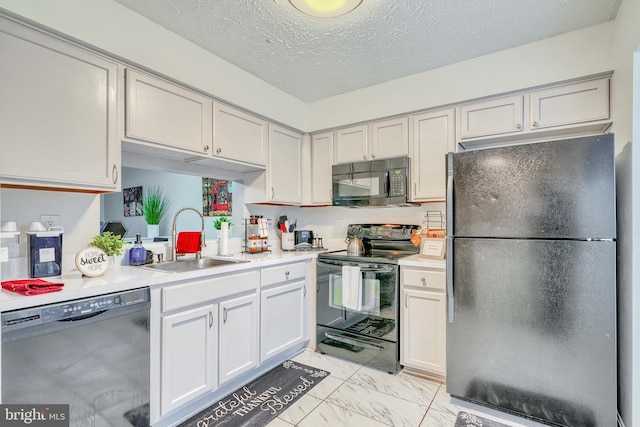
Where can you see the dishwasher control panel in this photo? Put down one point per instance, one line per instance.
(72, 310)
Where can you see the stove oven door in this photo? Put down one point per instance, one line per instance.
(357, 312)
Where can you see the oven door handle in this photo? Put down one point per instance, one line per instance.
(338, 264)
(354, 341)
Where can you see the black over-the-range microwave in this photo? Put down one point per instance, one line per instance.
(371, 183)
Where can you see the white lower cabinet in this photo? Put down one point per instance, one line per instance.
(282, 302)
(238, 342)
(423, 313)
(189, 354)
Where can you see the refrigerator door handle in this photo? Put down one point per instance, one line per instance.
(450, 194)
(450, 297)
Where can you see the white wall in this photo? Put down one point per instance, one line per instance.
(79, 214)
(182, 190)
(626, 110)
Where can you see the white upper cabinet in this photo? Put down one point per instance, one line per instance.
(432, 137)
(571, 109)
(378, 140)
(239, 136)
(493, 117)
(570, 104)
(58, 113)
(321, 162)
(351, 144)
(389, 138)
(284, 170)
(167, 114)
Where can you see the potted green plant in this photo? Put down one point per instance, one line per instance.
(154, 206)
(217, 224)
(110, 243)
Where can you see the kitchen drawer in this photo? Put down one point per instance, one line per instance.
(423, 278)
(282, 273)
(200, 291)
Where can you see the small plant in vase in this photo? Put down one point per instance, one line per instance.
(154, 206)
(110, 243)
(217, 224)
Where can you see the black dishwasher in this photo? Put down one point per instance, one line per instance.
(92, 354)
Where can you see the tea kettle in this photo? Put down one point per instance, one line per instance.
(354, 246)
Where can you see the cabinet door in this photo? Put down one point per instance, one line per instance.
(390, 138)
(284, 166)
(238, 336)
(351, 144)
(321, 162)
(493, 117)
(165, 113)
(281, 318)
(58, 113)
(570, 104)
(423, 330)
(189, 356)
(433, 137)
(239, 136)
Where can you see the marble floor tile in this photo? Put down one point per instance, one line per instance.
(338, 368)
(277, 422)
(438, 419)
(402, 385)
(329, 415)
(300, 409)
(379, 406)
(324, 388)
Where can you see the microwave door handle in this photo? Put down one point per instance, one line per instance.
(387, 184)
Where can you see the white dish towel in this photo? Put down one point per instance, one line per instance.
(351, 287)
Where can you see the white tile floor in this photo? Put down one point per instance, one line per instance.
(355, 395)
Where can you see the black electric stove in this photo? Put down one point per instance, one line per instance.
(383, 243)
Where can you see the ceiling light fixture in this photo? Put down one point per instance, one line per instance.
(325, 8)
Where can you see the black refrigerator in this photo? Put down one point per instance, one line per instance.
(531, 280)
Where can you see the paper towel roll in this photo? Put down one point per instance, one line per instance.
(224, 238)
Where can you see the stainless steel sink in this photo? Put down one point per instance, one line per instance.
(192, 264)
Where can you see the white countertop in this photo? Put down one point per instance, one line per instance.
(121, 278)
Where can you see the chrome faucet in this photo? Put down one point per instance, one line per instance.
(174, 234)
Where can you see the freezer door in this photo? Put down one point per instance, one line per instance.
(534, 329)
(557, 189)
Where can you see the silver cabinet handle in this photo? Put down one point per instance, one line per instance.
(114, 174)
(536, 124)
(286, 273)
(224, 315)
(415, 188)
(424, 281)
(364, 156)
(210, 319)
(273, 194)
(518, 126)
(405, 301)
(373, 156)
(218, 150)
(304, 291)
(206, 148)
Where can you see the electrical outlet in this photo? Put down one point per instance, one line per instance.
(50, 220)
(4, 254)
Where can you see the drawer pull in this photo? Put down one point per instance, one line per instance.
(424, 281)
(210, 319)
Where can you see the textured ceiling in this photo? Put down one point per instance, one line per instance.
(312, 58)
